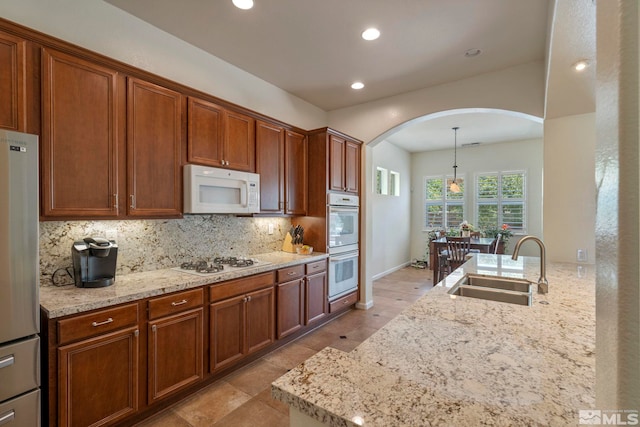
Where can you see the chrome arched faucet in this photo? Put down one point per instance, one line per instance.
(543, 284)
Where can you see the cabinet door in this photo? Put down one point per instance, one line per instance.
(12, 83)
(260, 329)
(205, 130)
(154, 139)
(79, 138)
(295, 174)
(175, 353)
(227, 329)
(336, 163)
(270, 166)
(98, 379)
(316, 297)
(290, 310)
(239, 141)
(352, 167)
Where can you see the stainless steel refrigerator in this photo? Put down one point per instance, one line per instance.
(19, 275)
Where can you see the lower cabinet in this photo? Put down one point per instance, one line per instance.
(175, 340)
(98, 366)
(316, 295)
(241, 324)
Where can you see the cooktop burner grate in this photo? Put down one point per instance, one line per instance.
(218, 265)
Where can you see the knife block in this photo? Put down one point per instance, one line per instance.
(288, 246)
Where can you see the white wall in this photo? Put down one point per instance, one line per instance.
(391, 229)
(103, 28)
(570, 187)
(516, 155)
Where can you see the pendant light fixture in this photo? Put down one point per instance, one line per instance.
(454, 187)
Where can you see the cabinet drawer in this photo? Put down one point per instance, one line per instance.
(316, 267)
(96, 323)
(290, 273)
(344, 302)
(239, 286)
(175, 303)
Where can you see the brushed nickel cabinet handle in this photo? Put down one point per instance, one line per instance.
(154, 328)
(291, 273)
(133, 201)
(109, 320)
(115, 198)
(8, 417)
(176, 303)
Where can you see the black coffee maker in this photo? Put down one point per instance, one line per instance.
(94, 262)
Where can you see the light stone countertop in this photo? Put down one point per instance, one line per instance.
(463, 361)
(66, 300)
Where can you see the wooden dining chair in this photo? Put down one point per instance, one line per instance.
(495, 244)
(457, 249)
(475, 234)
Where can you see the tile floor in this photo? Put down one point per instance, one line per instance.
(244, 397)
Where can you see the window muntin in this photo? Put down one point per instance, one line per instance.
(501, 199)
(443, 209)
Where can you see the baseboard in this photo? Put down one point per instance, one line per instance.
(364, 305)
(391, 270)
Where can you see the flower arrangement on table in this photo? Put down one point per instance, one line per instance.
(466, 228)
(505, 230)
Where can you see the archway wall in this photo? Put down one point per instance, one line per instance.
(518, 89)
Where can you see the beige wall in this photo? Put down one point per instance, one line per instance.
(569, 187)
(103, 28)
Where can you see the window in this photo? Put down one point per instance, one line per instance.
(381, 181)
(443, 209)
(500, 199)
(394, 183)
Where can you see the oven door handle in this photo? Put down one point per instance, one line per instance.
(353, 209)
(337, 258)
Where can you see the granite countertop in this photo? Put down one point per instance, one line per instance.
(463, 361)
(66, 300)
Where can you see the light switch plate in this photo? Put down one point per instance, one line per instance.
(581, 255)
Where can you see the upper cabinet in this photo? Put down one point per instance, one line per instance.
(281, 161)
(80, 142)
(108, 149)
(12, 83)
(154, 145)
(219, 137)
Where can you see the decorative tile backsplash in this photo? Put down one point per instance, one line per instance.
(145, 245)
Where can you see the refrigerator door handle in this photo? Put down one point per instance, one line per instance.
(8, 417)
(7, 361)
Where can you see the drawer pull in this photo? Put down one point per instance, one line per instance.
(291, 273)
(8, 417)
(7, 361)
(346, 301)
(109, 320)
(176, 303)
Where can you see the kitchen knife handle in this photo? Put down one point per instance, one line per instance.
(109, 320)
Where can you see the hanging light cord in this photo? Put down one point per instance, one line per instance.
(455, 151)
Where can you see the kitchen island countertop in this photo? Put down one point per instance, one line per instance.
(65, 300)
(452, 361)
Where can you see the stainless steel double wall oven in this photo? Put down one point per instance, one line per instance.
(343, 244)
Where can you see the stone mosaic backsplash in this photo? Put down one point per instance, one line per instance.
(146, 245)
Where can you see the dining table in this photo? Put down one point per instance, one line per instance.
(483, 244)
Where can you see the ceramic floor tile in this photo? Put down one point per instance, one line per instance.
(290, 355)
(166, 418)
(254, 378)
(211, 404)
(254, 413)
(265, 396)
(318, 339)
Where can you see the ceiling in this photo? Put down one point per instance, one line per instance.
(313, 49)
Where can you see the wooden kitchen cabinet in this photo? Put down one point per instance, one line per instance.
(175, 347)
(290, 300)
(98, 375)
(12, 83)
(316, 291)
(81, 141)
(344, 164)
(154, 150)
(219, 137)
(243, 323)
(281, 161)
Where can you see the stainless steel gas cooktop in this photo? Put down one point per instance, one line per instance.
(218, 265)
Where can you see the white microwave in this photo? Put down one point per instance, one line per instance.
(210, 190)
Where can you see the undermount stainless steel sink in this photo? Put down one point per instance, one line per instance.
(501, 289)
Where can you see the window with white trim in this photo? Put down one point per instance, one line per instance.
(501, 199)
(442, 208)
(382, 180)
(394, 183)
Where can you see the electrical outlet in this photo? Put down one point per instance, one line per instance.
(270, 228)
(581, 255)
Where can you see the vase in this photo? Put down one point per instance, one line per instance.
(466, 233)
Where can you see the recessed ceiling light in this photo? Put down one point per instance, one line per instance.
(357, 85)
(581, 65)
(470, 53)
(243, 4)
(370, 34)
